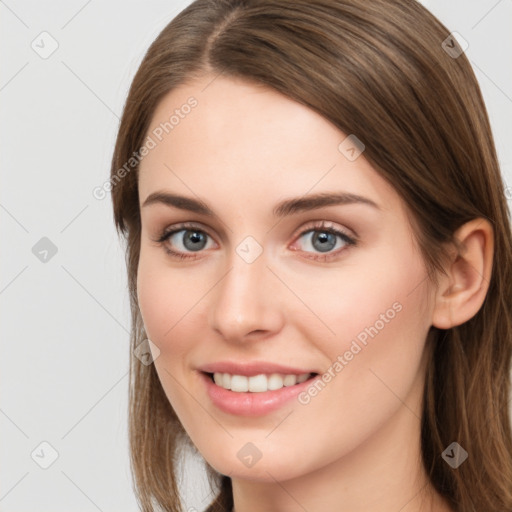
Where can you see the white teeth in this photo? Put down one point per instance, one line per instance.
(274, 381)
(226, 381)
(218, 378)
(239, 383)
(257, 383)
(290, 380)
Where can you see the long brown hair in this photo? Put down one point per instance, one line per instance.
(379, 70)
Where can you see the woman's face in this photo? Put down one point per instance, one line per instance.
(265, 285)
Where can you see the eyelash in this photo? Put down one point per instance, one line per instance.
(321, 227)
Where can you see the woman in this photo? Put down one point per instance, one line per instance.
(319, 251)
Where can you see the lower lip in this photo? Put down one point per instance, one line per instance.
(250, 403)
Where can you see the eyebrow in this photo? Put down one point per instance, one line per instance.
(282, 209)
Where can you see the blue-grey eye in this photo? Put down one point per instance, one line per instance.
(323, 240)
(192, 240)
(326, 241)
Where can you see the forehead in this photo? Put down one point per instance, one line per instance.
(235, 115)
(230, 136)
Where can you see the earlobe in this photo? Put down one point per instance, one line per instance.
(462, 291)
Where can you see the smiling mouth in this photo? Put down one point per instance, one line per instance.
(258, 383)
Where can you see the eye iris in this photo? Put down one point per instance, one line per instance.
(328, 241)
(194, 237)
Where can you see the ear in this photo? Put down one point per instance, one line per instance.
(462, 291)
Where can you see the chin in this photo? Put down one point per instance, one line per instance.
(264, 470)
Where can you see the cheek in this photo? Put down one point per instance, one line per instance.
(165, 305)
(156, 292)
(367, 382)
(371, 313)
(152, 299)
(171, 303)
(380, 318)
(380, 295)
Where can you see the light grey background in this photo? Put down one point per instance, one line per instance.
(65, 323)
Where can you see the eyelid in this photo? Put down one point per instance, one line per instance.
(167, 232)
(318, 225)
(310, 226)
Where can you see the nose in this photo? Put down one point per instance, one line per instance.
(246, 301)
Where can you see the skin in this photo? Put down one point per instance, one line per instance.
(355, 446)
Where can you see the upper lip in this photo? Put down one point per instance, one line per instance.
(251, 368)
